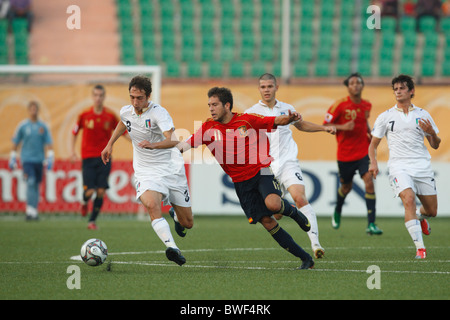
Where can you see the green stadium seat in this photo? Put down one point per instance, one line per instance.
(367, 37)
(427, 24)
(327, 10)
(194, 69)
(322, 68)
(258, 68)
(408, 54)
(347, 9)
(227, 53)
(237, 69)
(406, 67)
(326, 25)
(216, 69)
(431, 39)
(365, 67)
(429, 53)
(445, 25)
(388, 24)
(346, 38)
(387, 53)
(300, 70)
(343, 68)
(306, 25)
(305, 54)
(247, 53)
(173, 69)
(407, 24)
(324, 53)
(307, 9)
(385, 68)
(388, 39)
(345, 53)
(428, 68)
(207, 53)
(409, 39)
(446, 68)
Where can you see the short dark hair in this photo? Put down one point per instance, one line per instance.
(268, 76)
(404, 78)
(224, 95)
(99, 87)
(356, 74)
(141, 83)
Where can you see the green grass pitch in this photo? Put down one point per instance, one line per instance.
(226, 259)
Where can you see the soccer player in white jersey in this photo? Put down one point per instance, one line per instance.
(405, 127)
(283, 149)
(160, 174)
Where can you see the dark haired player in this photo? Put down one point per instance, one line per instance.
(160, 174)
(350, 117)
(240, 145)
(406, 127)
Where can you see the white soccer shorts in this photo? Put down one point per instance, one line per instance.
(289, 174)
(425, 186)
(174, 189)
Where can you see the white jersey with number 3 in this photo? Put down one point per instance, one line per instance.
(405, 138)
(150, 125)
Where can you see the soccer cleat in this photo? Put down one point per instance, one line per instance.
(84, 209)
(92, 226)
(307, 264)
(426, 229)
(421, 253)
(373, 229)
(336, 220)
(181, 231)
(174, 254)
(319, 252)
(302, 221)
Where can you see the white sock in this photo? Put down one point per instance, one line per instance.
(313, 233)
(414, 229)
(419, 215)
(162, 229)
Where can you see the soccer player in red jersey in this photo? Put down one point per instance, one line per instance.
(97, 122)
(350, 117)
(240, 145)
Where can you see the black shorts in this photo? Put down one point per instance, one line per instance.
(95, 173)
(348, 169)
(253, 192)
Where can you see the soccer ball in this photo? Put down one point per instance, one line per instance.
(94, 252)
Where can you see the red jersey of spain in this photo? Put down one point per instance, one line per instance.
(354, 144)
(240, 146)
(97, 130)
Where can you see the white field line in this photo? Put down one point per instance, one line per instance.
(224, 264)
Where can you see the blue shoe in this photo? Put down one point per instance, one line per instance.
(181, 231)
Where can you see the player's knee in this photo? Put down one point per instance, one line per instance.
(188, 223)
(273, 206)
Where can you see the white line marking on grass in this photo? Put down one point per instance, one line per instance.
(226, 264)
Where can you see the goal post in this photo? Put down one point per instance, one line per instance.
(154, 72)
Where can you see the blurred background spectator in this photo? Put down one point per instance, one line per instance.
(20, 9)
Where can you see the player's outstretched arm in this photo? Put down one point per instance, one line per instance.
(287, 118)
(307, 126)
(107, 151)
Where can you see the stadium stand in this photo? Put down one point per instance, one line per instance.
(242, 38)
